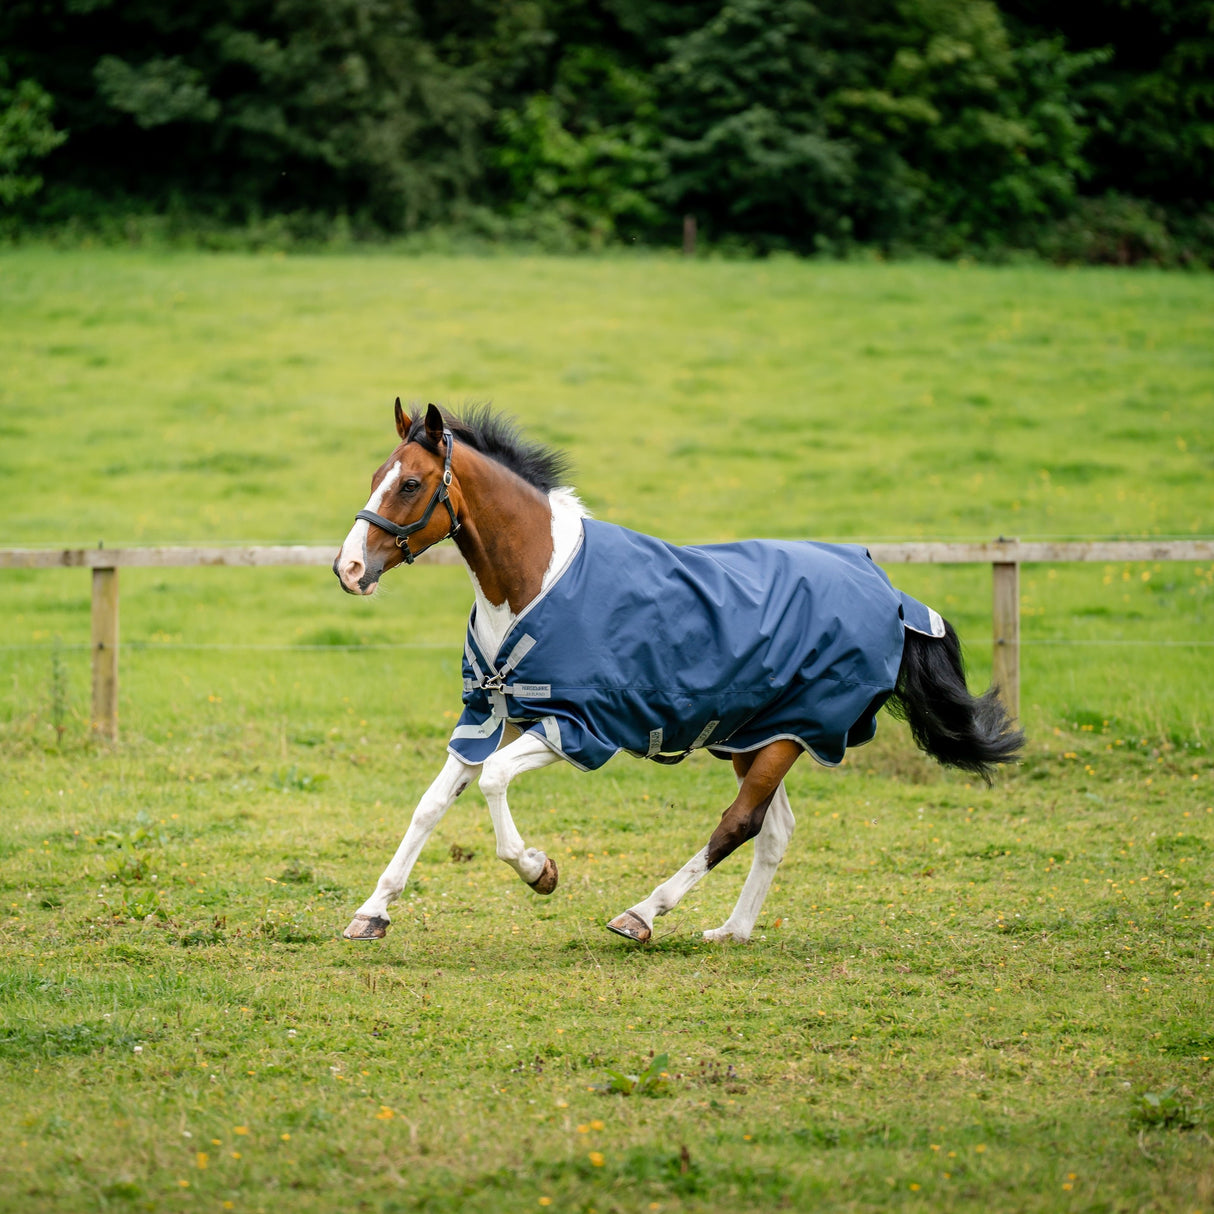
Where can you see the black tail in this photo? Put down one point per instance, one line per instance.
(960, 730)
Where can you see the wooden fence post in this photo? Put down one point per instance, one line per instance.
(1005, 657)
(105, 652)
(689, 235)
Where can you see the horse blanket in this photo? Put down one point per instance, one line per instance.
(659, 650)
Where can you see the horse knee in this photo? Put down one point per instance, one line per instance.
(494, 779)
(427, 816)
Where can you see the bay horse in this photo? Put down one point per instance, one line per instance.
(586, 639)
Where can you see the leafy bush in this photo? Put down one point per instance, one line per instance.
(652, 1081)
(1118, 230)
(1169, 1109)
(27, 135)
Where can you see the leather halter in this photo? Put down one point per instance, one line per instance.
(440, 494)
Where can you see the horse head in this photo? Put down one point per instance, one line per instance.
(402, 516)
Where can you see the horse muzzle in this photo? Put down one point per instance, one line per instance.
(355, 577)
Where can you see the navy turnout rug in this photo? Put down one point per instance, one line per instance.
(659, 650)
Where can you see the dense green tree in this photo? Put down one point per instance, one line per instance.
(1151, 106)
(746, 137)
(240, 108)
(890, 121)
(1085, 130)
(27, 134)
(578, 142)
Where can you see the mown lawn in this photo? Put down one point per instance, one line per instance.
(959, 998)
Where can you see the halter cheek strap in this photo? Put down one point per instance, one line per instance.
(440, 494)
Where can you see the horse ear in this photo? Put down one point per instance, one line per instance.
(402, 423)
(435, 425)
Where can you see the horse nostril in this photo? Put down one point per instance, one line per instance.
(349, 572)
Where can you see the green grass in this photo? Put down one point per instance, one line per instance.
(964, 990)
(958, 998)
(198, 398)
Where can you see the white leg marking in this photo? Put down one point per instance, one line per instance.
(437, 799)
(770, 844)
(672, 891)
(525, 753)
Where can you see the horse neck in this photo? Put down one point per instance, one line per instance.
(495, 620)
(513, 539)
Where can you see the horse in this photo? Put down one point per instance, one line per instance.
(586, 639)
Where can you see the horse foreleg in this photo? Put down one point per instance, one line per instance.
(525, 753)
(761, 777)
(371, 920)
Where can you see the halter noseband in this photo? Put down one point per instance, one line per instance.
(440, 495)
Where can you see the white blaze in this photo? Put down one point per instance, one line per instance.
(354, 546)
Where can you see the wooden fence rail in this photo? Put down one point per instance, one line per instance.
(1005, 556)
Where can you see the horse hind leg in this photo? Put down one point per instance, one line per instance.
(761, 776)
(770, 845)
(636, 923)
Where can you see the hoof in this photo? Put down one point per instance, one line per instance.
(718, 935)
(630, 925)
(545, 883)
(366, 927)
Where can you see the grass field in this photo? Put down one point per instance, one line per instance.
(958, 998)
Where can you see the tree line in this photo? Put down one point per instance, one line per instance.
(1083, 131)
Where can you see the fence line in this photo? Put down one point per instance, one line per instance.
(1005, 556)
(912, 552)
(377, 646)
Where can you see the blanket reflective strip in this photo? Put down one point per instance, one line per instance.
(920, 618)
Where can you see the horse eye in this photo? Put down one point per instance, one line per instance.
(410, 486)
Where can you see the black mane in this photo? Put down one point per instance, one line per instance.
(498, 437)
